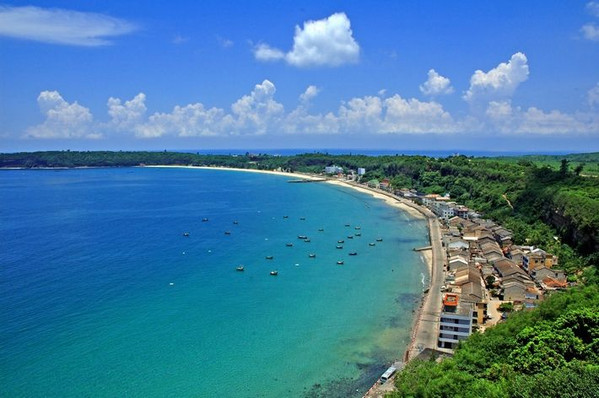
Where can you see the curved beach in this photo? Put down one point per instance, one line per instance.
(425, 322)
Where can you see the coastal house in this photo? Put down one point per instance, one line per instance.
(456, 262)
(465, 274)
(455, 323)
(333, 169)
(506, 267)
(514, 291)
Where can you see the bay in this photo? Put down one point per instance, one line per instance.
(102, 294)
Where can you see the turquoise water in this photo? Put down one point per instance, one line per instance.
(102, 295)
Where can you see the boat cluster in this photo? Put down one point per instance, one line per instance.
(305, 239)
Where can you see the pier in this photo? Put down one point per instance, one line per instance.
(304, 180)
(420, 249)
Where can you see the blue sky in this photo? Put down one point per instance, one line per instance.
(471, 75)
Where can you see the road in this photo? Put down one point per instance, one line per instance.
(426, 328)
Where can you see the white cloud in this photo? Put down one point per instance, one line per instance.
(257, 111)
(500, 82)
(414, 116)
(126, 116)
(593, 97)
(263, 52)
(436, 84)
(593, 8)
(325, 42)
(504, 118)
(311, 92)
(185, 121)
(590, 31)
(59, 26)
(63, 120)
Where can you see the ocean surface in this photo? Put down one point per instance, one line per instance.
(101, 294)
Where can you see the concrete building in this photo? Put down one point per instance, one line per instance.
(455, 321)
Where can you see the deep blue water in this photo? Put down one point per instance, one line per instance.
(102, 295)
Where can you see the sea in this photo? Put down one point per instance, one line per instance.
(123, 282)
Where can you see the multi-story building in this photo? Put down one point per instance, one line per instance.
(455, 321)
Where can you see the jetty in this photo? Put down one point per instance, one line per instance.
(421, 249)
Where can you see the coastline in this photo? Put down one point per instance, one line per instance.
(426, 316)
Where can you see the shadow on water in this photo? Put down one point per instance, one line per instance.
(347, 387)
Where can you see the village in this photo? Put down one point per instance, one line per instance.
(485, 275)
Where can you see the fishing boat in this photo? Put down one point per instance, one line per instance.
(269, 257)
(227, 232)
(307, 240)
(302, 218)
(350, 236)
(185, 233)
(340, 241)
(320, 229)
(358, 234)
(357, 228)
(312, 255)
(340, 262)
(235, 222)
(204, 219)
(347, 225)
(274, 273)
(304, 237)
(379, 239)
(353, 253)
(240, 268)
(372, 244)
(285, 216)
(339, 247)
(289, 244)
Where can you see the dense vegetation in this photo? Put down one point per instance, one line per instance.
(548, 202)
(550, 352)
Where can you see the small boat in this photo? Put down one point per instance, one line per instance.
(358, 234)
(339, 247)
(235, 222)
(320, 229)
(285, 216)
(289, 244)
(274, 273)
(307, 240)
(240, 268)
(357, 228)
(340, 262)
(227, 232)
(312, 255)
(340, 241)
(379, 239)
(353, 253)
(204, 219)
(185, 233)
(269, 257)
(347, 225)
(350, 236)
(304, 237)
(302, 218)
(372, 244)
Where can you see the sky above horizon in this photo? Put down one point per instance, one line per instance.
(519, 76)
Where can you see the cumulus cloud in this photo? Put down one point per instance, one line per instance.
(504, 118)
(500, 82)
(63, 120)
(436, 84)
(325, 42)
(185, 121)
(58, 26)
(128, 115)
(256, 111)
(414, 116)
